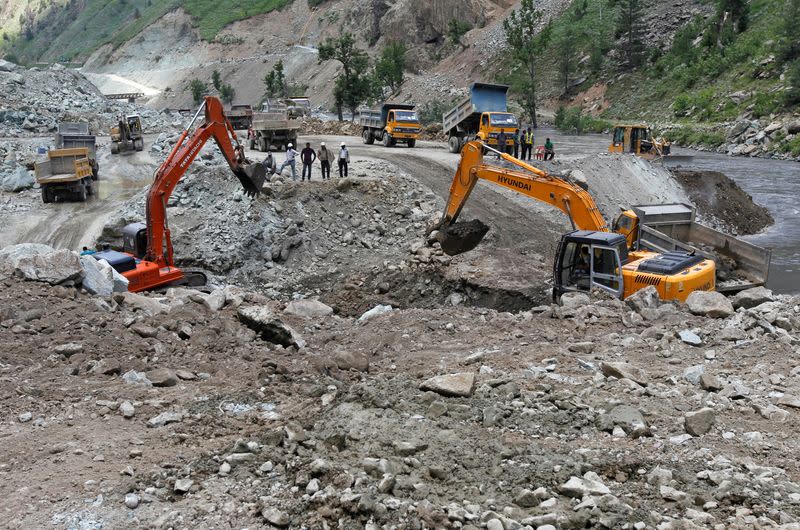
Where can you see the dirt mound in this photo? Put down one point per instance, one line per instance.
(315, 126)
(722, 202)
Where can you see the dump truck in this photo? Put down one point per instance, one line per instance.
(71, 135)
(65, 174)
(673, 227)
(240, 116)
(391, 123)
(299, 106)
(273, 130)
(127, 135)
(480, 116)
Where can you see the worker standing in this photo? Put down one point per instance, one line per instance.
(501, 143)
(290, 161)
(325, 158)
(516, 143)
(527, 144)
(549, 152)
(307, 156)
(344, 160)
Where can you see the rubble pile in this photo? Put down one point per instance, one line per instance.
(226, 407)
(310, 126)
(35, 100)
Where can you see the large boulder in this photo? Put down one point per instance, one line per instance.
(646, 298)
(7, 66)
(270, 328)
(42, 263)
(17, 179)
(752, 297)
(308, 309)
(709, 303)
(95, 279)
(451, 385)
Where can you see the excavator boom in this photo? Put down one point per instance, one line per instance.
(456, 238)
(151, 243)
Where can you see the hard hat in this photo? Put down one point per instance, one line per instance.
(290, 145)
(342, 144)
(322, 144)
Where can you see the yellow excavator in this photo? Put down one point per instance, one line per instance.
(591, 256)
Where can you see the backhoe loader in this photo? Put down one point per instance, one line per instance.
(638, 139)
(147, 259)
(591, 256)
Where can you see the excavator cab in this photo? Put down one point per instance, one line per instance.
(589, 260)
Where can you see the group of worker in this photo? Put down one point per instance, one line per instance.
(526, 141)
(307, 158)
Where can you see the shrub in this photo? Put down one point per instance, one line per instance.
(572, 120)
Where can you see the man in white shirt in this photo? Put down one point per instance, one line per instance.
(290, 161)
(344, 159)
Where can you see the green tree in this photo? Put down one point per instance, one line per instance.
(389, 67)
(568, 57)
(456, 29)
(276, 81)
(789, 48)
(198, 89)
(526, 45)
(352, 85)
(227, 92)
(216, 80)
(630, 27)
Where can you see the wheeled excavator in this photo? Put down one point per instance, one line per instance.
(147, 259)
(591, 256)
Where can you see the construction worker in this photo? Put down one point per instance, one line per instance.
(344, 159)
(548, 150)
(270, 163)
(307, 156)
(501, 142)
(527, 144)
(516, 143)
(325, 158)
(290, 161)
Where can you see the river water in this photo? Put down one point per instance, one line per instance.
(774, 184)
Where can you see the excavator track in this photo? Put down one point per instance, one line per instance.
(193, 278)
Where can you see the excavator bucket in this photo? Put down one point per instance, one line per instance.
(252, 177)
(462, 237)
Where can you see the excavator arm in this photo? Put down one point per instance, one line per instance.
(570, 198)
(215, 125)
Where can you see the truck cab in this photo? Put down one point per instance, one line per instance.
(492, 123)
(392, 123)
(403, 125)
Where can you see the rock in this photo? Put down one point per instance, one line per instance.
(162, 377)
(351, 361)
(646, 298)
(308, 309)
(452, 385)
(789, 400)
(269, 327)
(409, 448)
(132, 377)
(694, 373)
(131, 500)
(526, 499)
(185, 375)
(119, 282)
(96, 280)
(494, 524)
(142, 302)
(590, 484)
(624, 371)
(164, 418)
(752, 297)
(17, 180)
(144, 331)
(7, 66)
(710, 382)
(275, 517)
(215, 300)
(126, 409)
(25, 417)
(630, 419)
(183, 485)
(690, 337)
(671, 494)
(69, 349)
(41, 263)
(374, 312)
(574, 300)
(699, 422)
(793, 127)
(709, 303)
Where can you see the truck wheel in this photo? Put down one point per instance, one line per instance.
(387, 139)
(366, 136)
(262, 144)
(252, 144)
(412, 142)
(46, 198)
(114, 148)
(95, 170)
(455, 144)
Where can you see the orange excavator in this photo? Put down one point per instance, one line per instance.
(147, 259)
(591, 256)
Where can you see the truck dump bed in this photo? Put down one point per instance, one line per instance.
(63, 165)
(483, 97)
(266, 121)
(670, 227)
(376, 118)
(73, 135)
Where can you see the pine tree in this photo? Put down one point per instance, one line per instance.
(631, 29)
